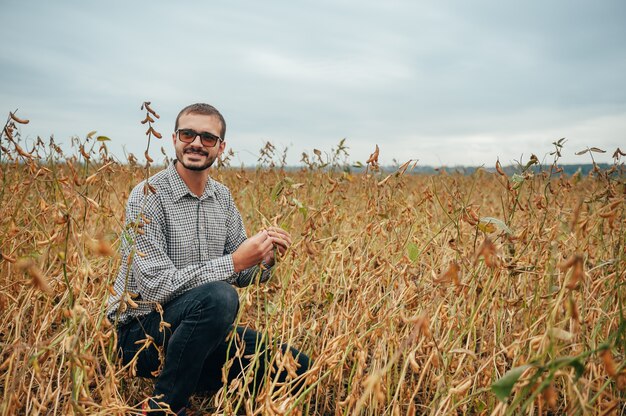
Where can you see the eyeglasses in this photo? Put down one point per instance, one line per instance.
(189, 135)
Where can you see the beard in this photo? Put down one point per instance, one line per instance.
(199, 165)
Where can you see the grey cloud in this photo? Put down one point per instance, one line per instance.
(442, 81)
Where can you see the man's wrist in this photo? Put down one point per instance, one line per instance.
(236, 262)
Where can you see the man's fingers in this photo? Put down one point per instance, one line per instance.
(286, 238)
(260, 245)
(267, 245)
(261, 237)
(275, 231)
(280, 243)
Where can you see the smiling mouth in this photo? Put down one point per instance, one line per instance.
(195, 153)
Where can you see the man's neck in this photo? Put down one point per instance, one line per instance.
(195, 180)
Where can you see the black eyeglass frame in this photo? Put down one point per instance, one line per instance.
(205, 137)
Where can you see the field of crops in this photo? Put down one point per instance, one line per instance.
(442, 294)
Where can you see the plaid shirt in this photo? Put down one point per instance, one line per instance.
(181, 242)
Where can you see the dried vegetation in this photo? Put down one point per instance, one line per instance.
(444, 294)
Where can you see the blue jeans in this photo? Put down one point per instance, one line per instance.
(195, 345)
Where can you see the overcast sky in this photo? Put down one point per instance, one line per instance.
(448, 83)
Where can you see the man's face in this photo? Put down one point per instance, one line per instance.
(194, 155)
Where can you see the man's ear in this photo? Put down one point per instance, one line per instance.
(174, 139)
(222, 147)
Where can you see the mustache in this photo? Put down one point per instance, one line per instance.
(197, 151)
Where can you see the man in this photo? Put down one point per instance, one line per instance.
(184, 246)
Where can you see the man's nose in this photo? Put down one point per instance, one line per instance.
(199, 141)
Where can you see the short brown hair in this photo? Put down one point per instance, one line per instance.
(204, 109)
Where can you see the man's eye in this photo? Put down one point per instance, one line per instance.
(208, 137)
(188, 133)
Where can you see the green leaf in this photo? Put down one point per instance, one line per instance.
(278, 189)
(128, 238)
(579, 367)
(303, 210)
(503, 387)
(517, 178)
(413, 251)
(103, 139)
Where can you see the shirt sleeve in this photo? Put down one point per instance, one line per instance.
(157, 278)
(236, 235)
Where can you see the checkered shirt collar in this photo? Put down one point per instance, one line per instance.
(180, 189)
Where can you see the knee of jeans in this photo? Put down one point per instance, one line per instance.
(221, 297)
(305, 363)
(228, 298)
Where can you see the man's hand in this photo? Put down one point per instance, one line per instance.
(252, 251)
(281, 241)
